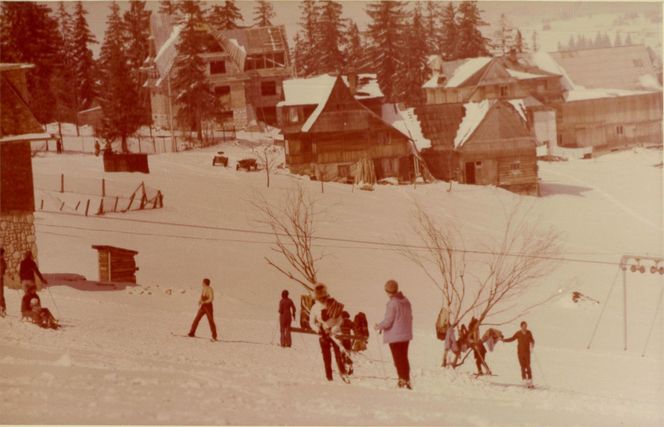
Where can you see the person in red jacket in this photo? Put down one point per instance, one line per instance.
(286, 316)
(27, 270)
(525, 343)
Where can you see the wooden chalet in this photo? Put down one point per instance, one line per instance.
(485, 143)
(18, 129)
(245, 66)
(327, 131)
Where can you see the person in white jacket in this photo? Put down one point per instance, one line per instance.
(325, 319)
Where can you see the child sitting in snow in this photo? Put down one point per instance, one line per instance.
(42, 316)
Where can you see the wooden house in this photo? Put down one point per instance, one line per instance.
(116, 264)
(327, 131)
(245, 67)
(18, 128)
(485, 143)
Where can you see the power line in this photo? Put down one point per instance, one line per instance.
(330, 239)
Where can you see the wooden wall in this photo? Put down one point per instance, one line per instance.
(16, 186)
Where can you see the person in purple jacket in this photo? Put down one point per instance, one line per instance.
(398, 328)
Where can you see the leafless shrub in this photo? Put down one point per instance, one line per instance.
(489, 282)
(268, 157)
(292, 225)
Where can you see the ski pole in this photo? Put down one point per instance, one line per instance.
(382, 360)
(53, 299)
(540, 368)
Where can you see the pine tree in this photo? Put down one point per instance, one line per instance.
(330, 37)
(192, 90)
(28, 33)
(449, 33)
(63, 78)
(618, 40)
(518, 42)
(386, 46)
(119, 97)
(504, 35)
(354, 51)
(433, 30)
(226, 17)
(167, 7)
(571, 44)
(307, 40)
(415, 59)
(137, 33)
(471, 43)
(263, 13)
(84, 62)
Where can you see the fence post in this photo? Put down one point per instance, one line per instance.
(42, 205)
(77, 205)
(62, 183)
(101, 207)
(115, 207)
(131, 200)
(87, 206)
(62, 206)
(103, 187)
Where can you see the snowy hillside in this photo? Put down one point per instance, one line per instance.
(116, 361)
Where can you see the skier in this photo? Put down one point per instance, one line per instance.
(205, 309)
(97, 148)
(479, 351)
(325, 318)
(286, 316)
(27, 270)
(525, 344)
(347, 327)
(3, 268)
(398, 328)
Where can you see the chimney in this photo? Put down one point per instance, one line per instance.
(352, 82)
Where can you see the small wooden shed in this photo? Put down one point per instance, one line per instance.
(116, 264)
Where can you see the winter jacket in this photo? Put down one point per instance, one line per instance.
(524, 340)
(26, 307)
(398, 323)
(286, 309)
(316, 322)
(27, 270)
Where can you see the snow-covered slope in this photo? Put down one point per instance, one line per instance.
(116, 360)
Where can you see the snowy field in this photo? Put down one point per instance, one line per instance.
(117, 362)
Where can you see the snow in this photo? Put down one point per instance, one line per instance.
(116, 362)
(546, 62)
(432, 82)
(648, 81)
(523, 75)
(307, 91)
(474, 114)
(406, 122)
(466, 70)
(367, 86)
(26, 137)
(520, 107)
(586, 94)
(237, 45)
(165, 57)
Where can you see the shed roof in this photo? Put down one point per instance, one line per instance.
(620, 67)
(114, 249)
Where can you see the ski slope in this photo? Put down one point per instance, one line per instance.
(117, 362)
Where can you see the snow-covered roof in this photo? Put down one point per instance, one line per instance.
(367, 86)
(546, 62)
(583, 94)
(406, 122)
(648, 81)
(26, 137)
(165, 58)
(521, 75)
(6, 66)
(475, 113)
(307, 91)
(520, 106)
(466, 70)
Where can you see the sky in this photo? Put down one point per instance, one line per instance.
(519, 12)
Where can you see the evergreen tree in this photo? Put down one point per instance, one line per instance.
(354, 51)
(449, 33)
(330, 37)
(263, 13)
(414, 62)
(535, 41)
(618, 40)
(28, 33)
(226, 17)
(119, 97)
(628, 40)
(386, 46)
(63, 77)
(84, 62)
(191, 87)
(606, 41)
(167, 7)
(560, 47)
(471, 43)
(137, 32)
(307, 41)
(518, 42)
(598, 40)
(571, 44)
(504, 35)
(433, 30)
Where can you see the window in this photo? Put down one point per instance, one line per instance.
(478, 164)
(292, 115)
(504, 90)
(515, 167)
(269, 88)
(217, 67)
(222, 91)
(619, 130)
(343, 171)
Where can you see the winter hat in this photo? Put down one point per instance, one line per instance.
(320, 292)
(391, 287)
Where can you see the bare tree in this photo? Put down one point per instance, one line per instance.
(488, 282)
(268, 156)
(292, 225)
